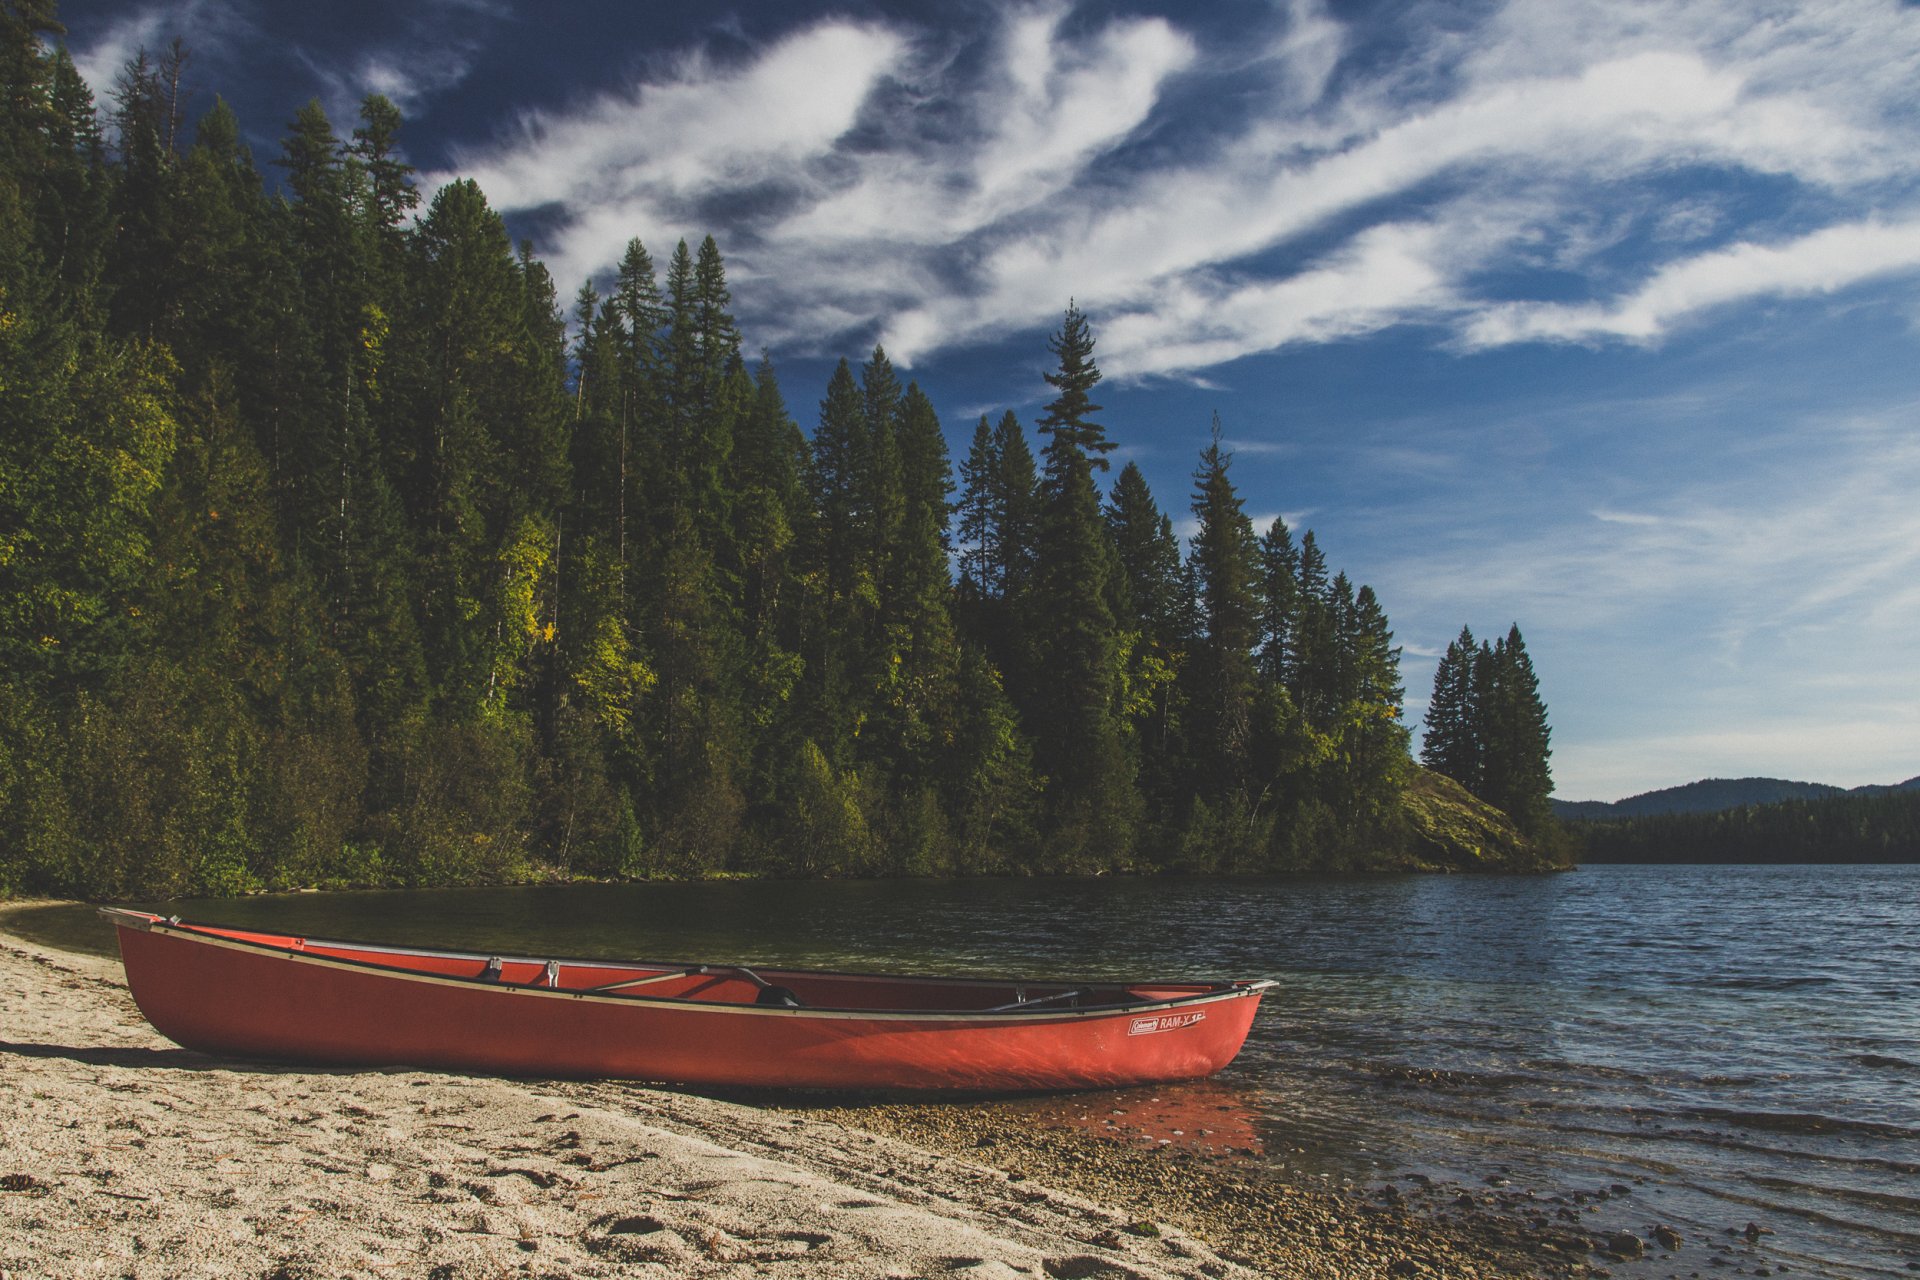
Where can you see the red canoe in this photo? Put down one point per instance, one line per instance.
(246, 993)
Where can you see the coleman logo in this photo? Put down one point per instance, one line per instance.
(1165, 1022)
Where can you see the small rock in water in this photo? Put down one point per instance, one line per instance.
(1755, 1231)
(1625, 1245)
(1668, 1237)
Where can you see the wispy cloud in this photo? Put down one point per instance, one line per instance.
(644, 161)
(937, 193)
(419, 50)
(1533, 171)
(211, 30)
(1761, 612)
(1824, 261)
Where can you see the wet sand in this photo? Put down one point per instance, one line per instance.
(124, 1155)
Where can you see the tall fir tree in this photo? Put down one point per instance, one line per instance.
(1516, 775)
(1076, 642)
(1450, 745)
(1226, 565)
(1280, 598)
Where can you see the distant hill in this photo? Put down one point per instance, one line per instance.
(1714, 795)
(1868, 824)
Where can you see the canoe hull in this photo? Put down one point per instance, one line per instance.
(242, 999)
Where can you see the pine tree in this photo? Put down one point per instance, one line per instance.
(1149, 558)
(1226, 566)
(1017, 495)
(1450, 746)
(1316, 657)
(882, 496)
(1070, 625)
(1516, 740)
(843, 600)
(1070, 414)
(1373, 741)
(390, 194)
(979, 516)
(926, 473)
(1280, 594)
(1156, 615)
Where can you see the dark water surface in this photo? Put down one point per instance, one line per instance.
(1733, 1044)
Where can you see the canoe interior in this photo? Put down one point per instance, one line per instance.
(723, 984)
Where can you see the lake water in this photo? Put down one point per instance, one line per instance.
(1734, 1044)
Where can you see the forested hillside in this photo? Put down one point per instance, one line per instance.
(1880, 825)
(331, 553)
(1710, 795)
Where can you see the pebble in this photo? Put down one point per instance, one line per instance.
(1275, 1220)
(1625, 1245)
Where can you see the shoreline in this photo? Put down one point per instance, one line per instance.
(122, 1154)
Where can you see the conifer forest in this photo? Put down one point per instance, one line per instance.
(337, 548)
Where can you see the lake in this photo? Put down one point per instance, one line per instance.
(1731, 1044)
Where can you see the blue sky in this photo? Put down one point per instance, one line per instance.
(1603, 318)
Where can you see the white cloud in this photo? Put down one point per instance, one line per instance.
(100, 63)
(209, 29)
(1824, 261)
(629, 163)
(1385, 276)
(1760, 613)
(1049, 109)
(1533, 171)
(434, 51)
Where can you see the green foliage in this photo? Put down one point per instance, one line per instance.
(1486, 728)
(1832, 829)
(327, 558)
(1455, 831)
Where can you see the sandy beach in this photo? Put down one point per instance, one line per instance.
(124, 1155)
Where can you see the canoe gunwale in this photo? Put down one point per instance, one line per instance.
(196, 932)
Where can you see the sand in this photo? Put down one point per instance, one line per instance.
(124, 1155)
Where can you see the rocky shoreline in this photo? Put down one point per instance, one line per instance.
(123, 1155)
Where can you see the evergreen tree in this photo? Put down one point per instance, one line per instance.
(1226, 566)
(979, 517)
(1016, 543)
(1450, 745)
(926, 474)
(882, 496)
(1148, 556)
(1070, 415)
(1315, 685)
(1516, 741)
(1077, 646)
(1157, 616)
(1280, 594)
(1372, 742)
(390, 194)
(845, 595)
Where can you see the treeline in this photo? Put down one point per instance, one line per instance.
(1486, 728)
(1881, 827)
(327, 557)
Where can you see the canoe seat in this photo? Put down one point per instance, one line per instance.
(777, 996)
